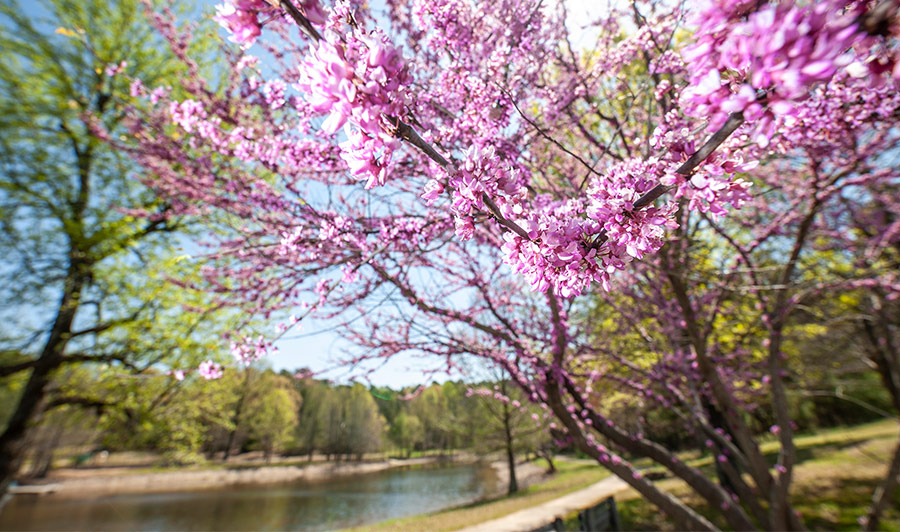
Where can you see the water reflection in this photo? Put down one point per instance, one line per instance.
(339, 503)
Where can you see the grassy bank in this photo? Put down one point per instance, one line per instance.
(571, 476)
(836, 475)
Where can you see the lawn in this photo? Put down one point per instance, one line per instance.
(836, 474)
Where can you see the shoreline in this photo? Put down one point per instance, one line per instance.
(527, 473)
(103, 483)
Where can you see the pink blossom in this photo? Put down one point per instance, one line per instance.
(210, 370)
(273, 91)
(239, 17)
(114, 69)
(433, 190)
(359, 83)
(781, 50)
(246, 350)
(136, 88)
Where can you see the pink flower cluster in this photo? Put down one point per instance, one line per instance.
(781, 50)
(632, 46)
(273, 93)
(574, 243)
(188, 114)
(482, 173)
(247, 351)
(242, 17)
(560, 253)
(713, 188)
(360, 82)
(448, 19)
(835, 113)
(114, 69)
(629, 231)
(368, 157)
(210, 370)
(713, 185)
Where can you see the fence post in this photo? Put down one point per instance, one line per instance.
(614, 523)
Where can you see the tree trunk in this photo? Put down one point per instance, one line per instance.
(884, 494)
(510, 454)
(78, 275)
(236, 417)
(13, 443)
(43, 457)
(548, 457)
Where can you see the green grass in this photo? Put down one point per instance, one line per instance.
(837, 472)
(836, 475)
(571, 476)
(815, 445)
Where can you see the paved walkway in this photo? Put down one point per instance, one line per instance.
(533, 518)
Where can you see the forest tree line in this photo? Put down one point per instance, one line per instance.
(258, 409)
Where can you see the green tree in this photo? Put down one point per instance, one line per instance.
(153, 414)
(505, 425)
(364, 424)
(148, 411)
(311, 424)
(431, 407)
(350, 421)
(407, 432)
(71, 246)
(331, 418)
(272, 417)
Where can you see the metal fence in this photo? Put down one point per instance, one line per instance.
(600, 518)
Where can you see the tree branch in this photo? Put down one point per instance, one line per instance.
(734, 121)
(80, 401)
(12, 369)
(298, 17)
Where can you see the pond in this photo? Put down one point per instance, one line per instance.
(324, 505)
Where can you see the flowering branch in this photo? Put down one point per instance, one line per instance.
(298, 17)
(734, 121)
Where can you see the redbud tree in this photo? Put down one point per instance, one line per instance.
(452, 178)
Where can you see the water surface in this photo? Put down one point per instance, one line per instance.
(321, 505)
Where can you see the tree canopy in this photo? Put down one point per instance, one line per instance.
(88, 250)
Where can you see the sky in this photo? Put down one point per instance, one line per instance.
(319, 347)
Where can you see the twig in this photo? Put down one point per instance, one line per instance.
(547, 136)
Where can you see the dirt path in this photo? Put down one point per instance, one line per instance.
(533, 518)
